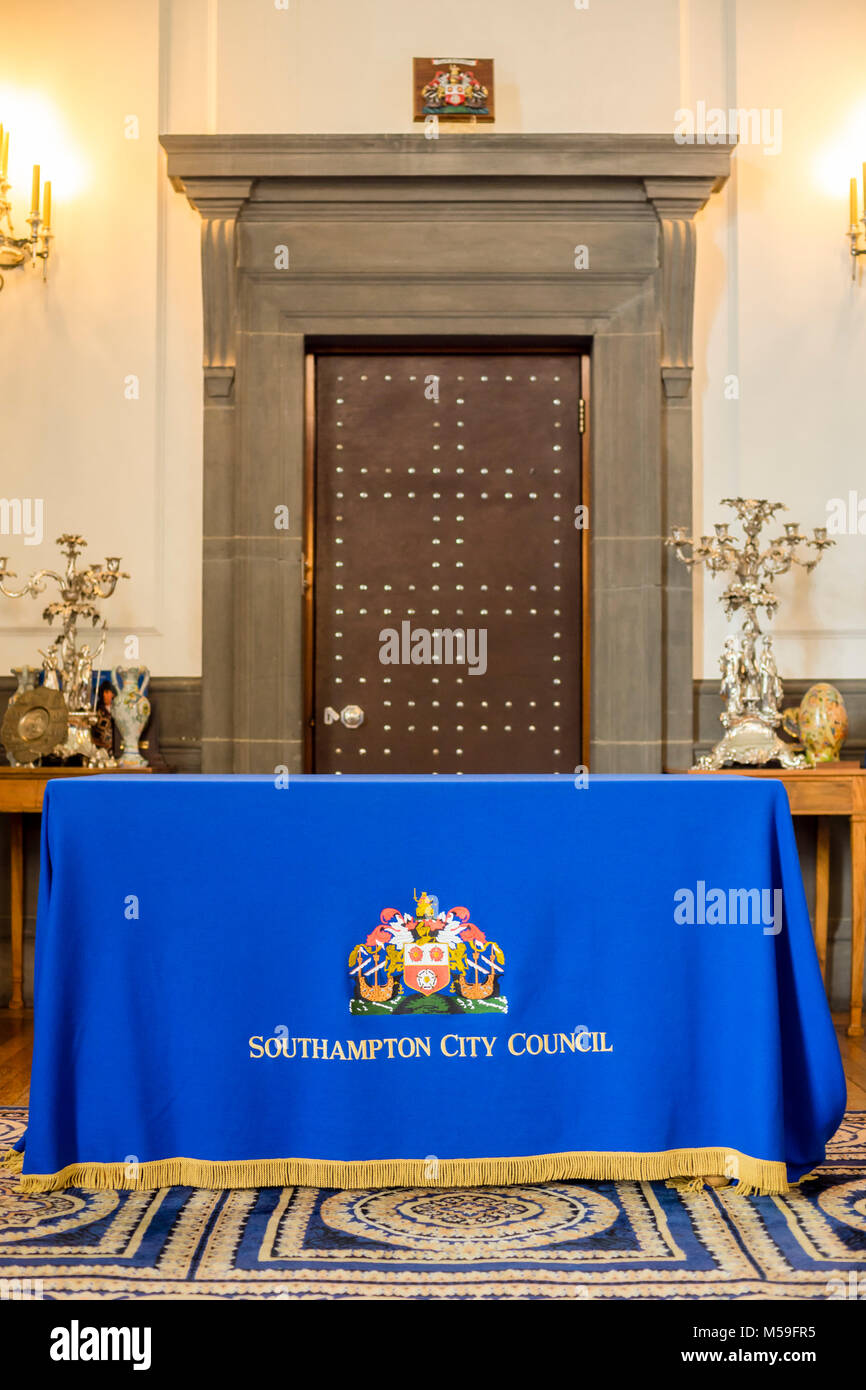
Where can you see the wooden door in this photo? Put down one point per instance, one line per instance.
(446, 542)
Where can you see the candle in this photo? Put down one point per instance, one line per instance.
(4, 155)
(853, 203)
(46, 207)
(864, 187)
(34, 197)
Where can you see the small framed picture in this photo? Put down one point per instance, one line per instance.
(453, 89)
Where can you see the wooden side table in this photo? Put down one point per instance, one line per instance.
(830, 789)
(21, 791)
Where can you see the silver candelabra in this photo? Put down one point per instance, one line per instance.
(750, 687)
(68, 666)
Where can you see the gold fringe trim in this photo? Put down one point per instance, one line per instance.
(12, 1160)
(755, 1174)
(713, 1180)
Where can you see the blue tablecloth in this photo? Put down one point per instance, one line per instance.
(365, 981)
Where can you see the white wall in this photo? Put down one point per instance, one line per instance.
(775, 305)
(122, 298)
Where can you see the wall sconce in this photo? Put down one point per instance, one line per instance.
(14, 251)
(855, 231)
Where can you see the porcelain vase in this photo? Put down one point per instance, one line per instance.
(130, 710)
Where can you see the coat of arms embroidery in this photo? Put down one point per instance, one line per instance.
(455, 86)
(429, 962)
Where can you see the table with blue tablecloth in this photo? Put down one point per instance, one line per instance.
(371, 981)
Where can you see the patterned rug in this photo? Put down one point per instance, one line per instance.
(606, 1240)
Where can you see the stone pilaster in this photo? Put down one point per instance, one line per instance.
(676, 203)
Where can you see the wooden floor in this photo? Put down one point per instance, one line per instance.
(16, 1046)
(16, 1043)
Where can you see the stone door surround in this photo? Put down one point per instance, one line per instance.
(472, 237)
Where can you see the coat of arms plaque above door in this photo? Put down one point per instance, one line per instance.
(452, 89)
